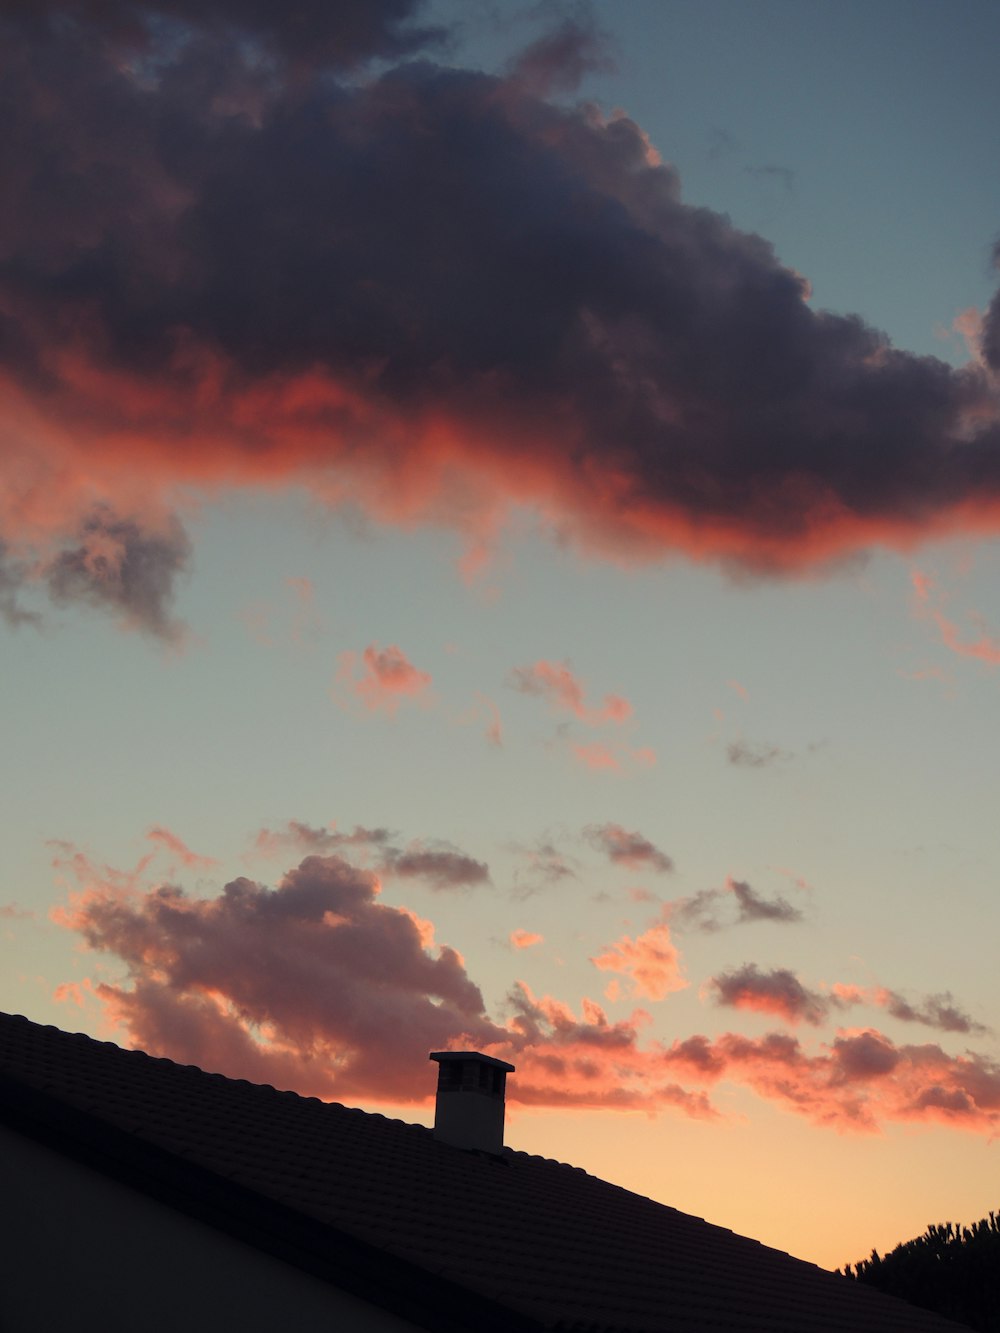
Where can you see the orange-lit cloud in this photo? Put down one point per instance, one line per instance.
(555, 682)
(318, 986)
(854, 1082)
(524, 939)
(650, 962)
(387, 678)
(776, 992)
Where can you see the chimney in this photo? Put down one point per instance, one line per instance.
(469, 1110)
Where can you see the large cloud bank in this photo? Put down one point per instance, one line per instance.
(320, 986)
(227, 259)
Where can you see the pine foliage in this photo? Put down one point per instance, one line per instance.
(950, 1269)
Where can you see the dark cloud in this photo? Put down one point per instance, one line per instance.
(559, 59)
(777, 991)
(991, 324)
(441, 865)
(319, 840)
(745, 754)
(344, 33)
(702, 910)
(631, 850)
(119, 567)
(754, 907)
(432, 291)
(786, 175)
(935, 1011)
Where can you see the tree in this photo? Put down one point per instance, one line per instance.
(952, 1270)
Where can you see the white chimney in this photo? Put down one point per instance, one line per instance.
(470, 1099)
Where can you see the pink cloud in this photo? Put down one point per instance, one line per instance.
(474, 714)
(629, 849)
(12, 912)
(855, 1082)
(387, 678)
(494, 731)
(601, 758)
(650, 962)
(172, 844)
(985, 648)
(315, 983)
(319, 986)
(556, 683)
(524, 939)
(927, 606)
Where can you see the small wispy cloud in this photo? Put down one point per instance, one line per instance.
(630, 849)
(565, 692)
(387, 678)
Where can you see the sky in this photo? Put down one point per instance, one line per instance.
(498, 549)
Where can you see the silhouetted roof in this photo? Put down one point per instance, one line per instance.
(453, 1240)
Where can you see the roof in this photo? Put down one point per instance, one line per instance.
(450, 1239)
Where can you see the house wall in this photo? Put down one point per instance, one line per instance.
(80, 1251)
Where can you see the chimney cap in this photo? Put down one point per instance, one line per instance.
(443, 1057)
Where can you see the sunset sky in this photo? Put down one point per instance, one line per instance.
(499, 547)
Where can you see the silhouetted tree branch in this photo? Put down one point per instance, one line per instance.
(952, 1270)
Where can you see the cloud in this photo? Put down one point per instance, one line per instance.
(440, 864)
(940, 1011)
(556, 683)
(387, 678)
(701, 911)
(178, 849)
(561, 57)
(545, 864)
(524, 939)
(650, 962)
(600, 758)
(303, 837)
(117, 566)
(780, 992)
(631, 850)
(855, 1082)
(746, 754)
(12, 912)
(494, 730)
(345, 34)
(775, 992)
(787, 176)
(585, 1061)
(754, 907)
(927, 605)
(315, 984)
(485, 301)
